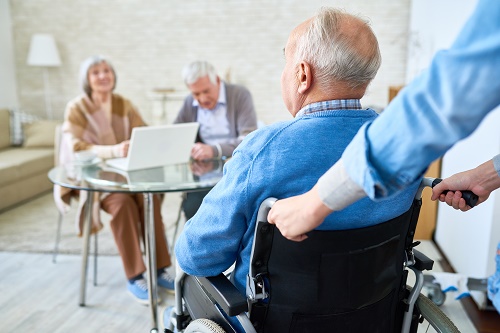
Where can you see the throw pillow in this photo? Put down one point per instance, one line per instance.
(17, 120)
(40, 133)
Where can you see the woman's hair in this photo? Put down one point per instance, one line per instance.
(84, 71)
(197, 69)
(339, 54)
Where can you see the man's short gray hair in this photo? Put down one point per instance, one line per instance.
(84, 71)
(336, 55)
(198, 69)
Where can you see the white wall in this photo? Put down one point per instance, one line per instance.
(469, 239)
(150, 41)
(434, 25)
(8, 92)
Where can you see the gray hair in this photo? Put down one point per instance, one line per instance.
(335, 54)
(198, 69)
(84, 71)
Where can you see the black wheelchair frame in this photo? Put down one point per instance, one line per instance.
(203, 304)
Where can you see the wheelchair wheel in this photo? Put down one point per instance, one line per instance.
(203, 326)
(434, 316)
(436, 295)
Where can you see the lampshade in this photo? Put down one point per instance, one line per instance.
(43, 51)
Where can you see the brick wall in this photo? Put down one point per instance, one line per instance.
(149, 41)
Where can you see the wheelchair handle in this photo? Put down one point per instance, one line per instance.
(469, 196)
(264, 209)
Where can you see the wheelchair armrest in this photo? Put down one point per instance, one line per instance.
(422, 262)
(225, 294)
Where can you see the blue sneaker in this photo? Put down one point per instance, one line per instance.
(139, 289)
(165, 280)
(167, 320)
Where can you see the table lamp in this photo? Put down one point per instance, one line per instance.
(43, 52)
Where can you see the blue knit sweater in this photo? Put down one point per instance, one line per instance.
(279, 160)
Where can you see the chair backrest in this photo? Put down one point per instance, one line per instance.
(62, 196)
(57, 144)
(334, 281)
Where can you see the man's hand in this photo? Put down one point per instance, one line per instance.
(200, 168)
(297, 215)
(201, 151)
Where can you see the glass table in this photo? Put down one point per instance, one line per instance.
(97, 177)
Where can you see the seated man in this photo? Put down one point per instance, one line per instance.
(226, 115)
(330, 60)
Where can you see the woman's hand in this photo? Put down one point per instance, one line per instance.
(481, 180)
(124, 148)
(119, 150)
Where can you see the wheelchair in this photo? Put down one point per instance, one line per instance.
(334, 281)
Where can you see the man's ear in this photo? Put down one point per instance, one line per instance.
(304, 76)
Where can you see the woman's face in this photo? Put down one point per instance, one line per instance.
(101, 78)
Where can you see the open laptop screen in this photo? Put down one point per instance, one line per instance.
(154, 146)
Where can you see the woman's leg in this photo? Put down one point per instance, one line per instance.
(125, 218)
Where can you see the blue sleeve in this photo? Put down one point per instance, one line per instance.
(210, 241)
(445, 104)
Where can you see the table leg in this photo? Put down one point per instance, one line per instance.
(86, 242)
(151, 257)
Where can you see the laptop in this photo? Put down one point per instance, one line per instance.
(155, 146)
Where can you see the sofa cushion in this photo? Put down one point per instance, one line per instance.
(19, 163)
(40, 133)
(4, 128)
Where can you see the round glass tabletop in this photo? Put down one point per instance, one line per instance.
(191, 176)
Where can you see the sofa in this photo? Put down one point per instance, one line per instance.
(24, 165)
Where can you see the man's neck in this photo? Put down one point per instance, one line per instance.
(336, 90)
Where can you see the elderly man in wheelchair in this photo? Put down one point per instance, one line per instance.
(348, 276)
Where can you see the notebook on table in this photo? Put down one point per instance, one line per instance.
(155, 146)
